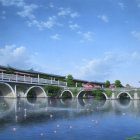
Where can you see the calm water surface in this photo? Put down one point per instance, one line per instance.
(83, 119)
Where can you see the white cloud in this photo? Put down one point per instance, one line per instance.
(18, 3)
(103, 68)
(122, 6)
(135, 55)
(98, 68)
(15, 56)
(138, 3)
(49, 24)
(34, 22)
(3, 12)
(74, 26)
(55, 37)
(86, 36)
(104, 18)
(3, 17)
(67, 12)
(64, 12)
(51, 5)
(27, 11)
(136, 34)
(74, 15)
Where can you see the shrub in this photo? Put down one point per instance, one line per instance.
(108, 93)
(75, 91)
(52, 90)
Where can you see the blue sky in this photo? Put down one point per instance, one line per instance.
(95, 40)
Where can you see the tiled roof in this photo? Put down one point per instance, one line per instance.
(32, 71)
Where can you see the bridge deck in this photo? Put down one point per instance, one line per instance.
(15, 78)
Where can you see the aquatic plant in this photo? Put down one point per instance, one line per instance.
(134, 137)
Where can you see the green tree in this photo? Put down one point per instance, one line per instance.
(107, 84)
(69, 80)
(9, 71)
(52, 90)
(127, 85)
(118, 83)
(79, 84)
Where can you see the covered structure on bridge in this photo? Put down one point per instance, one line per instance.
(31, 73)
(36, 74)
(101, 84)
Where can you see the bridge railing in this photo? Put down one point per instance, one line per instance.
(27, 79)
(113, 89)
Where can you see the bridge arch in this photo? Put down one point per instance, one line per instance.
(125, 105)
(118, 96)
(35, 91)
(6, 90)
(68, 91)
(105, 96)
(82, 93)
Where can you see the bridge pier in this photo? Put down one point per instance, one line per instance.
(136, 96)
(113, 96)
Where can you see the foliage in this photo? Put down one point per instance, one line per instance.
(98, 93)
(31, 94)
(138, 91)
(49, 78)
(124, 96)
(44, 77)
(69, 80)
(134, 137)
(79, 84)
(108, 93)
(52, 94)
(75, 91)
(116, 92)
(131, 92)
(24, 88)
(52, 90)
(128, 86)
(66, 94)
(9, 71)
(107, 84)
(118, 84)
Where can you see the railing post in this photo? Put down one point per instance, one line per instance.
(31, 80)
(76, 84)
(9, 77)
(24, 78)
(2, 75)
(58, 82)
(16, 77)
(38, 78)
(51, 80)
(66, 84)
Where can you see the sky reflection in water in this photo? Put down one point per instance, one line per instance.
(73, 119)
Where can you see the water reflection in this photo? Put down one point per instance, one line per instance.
(40, 105)
(27, 112)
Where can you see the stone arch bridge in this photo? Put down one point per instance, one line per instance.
(108, 93)
(14, 90)
(13, 86)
